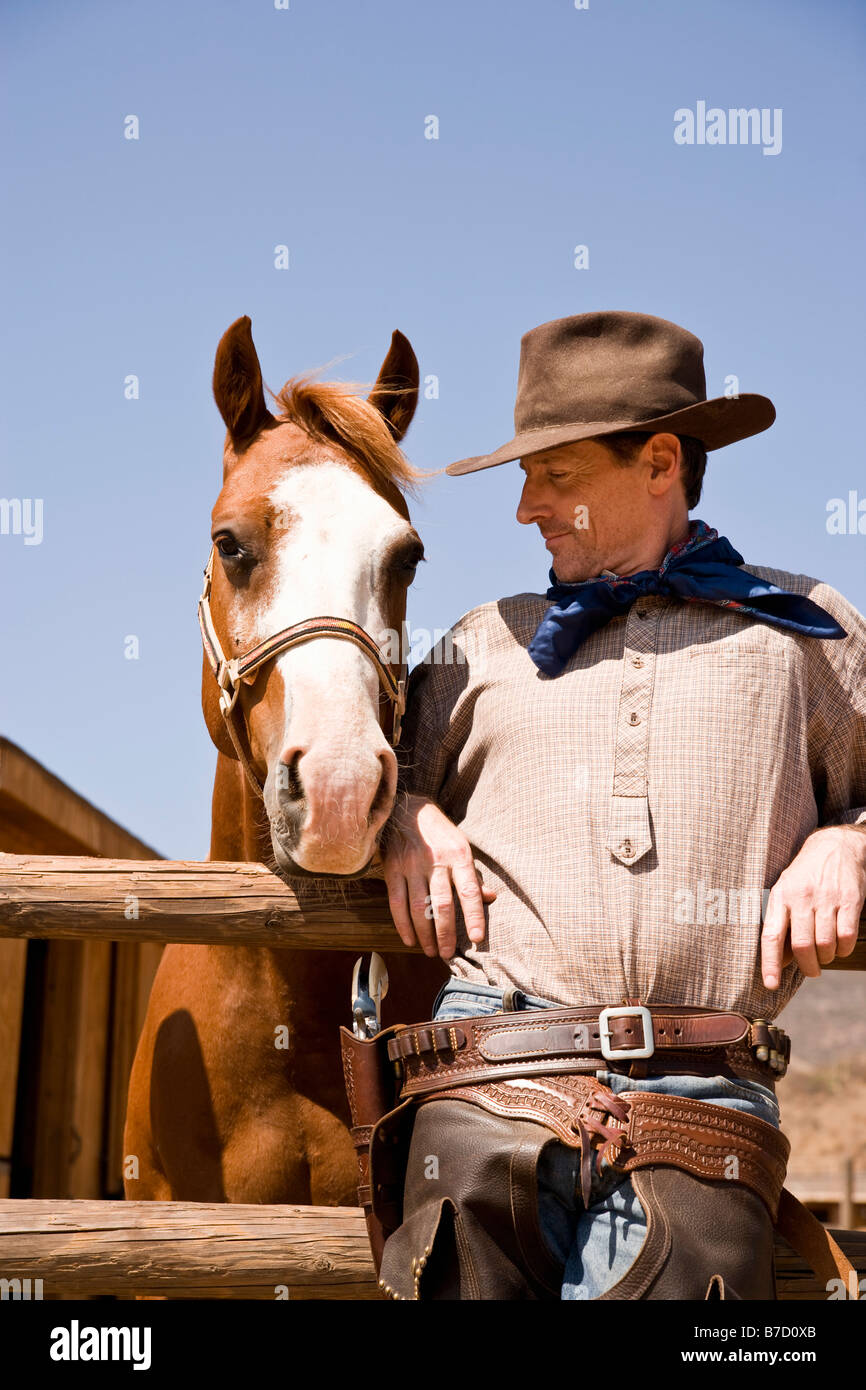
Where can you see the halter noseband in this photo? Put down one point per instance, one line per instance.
(232, 673)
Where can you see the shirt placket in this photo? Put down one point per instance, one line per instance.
(629, 832)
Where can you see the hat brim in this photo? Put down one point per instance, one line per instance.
(715, 423)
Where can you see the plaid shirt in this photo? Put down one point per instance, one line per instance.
(634, 811)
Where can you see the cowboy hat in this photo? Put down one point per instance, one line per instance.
(596, 374)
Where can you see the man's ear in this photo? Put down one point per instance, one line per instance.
(237, 384)
(395, 394)
(665, 456)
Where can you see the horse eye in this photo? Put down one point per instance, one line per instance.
(228, 548)
(408, 564)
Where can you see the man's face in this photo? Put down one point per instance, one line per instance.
(592, 512)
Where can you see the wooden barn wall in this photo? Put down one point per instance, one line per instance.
(70, 1011)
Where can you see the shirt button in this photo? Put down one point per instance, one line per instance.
(626, 849)
(634, 719)
(637, 661)
(642, 613)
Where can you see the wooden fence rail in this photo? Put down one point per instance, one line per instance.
(204, 1250)
(218, 903)
(188, 901)
(187, 1249)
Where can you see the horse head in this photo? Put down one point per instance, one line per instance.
(311, 524)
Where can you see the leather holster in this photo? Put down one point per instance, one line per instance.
(372, 1085)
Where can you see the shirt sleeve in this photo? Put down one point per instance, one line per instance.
(839, 768)
(433, 732)
(844, 772)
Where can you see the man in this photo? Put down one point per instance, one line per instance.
(608, 779)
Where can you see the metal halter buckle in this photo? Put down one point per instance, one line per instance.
(626, 1011)
(229, 688)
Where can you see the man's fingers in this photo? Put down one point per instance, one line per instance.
(773, 936)
(847, 927)
(825, 935)
(803, 939)
(442, 903)
(398, 901)
(469, 892)
(422, 914)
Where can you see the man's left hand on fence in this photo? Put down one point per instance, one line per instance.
(813, 912)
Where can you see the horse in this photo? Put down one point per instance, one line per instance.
(236, 1091)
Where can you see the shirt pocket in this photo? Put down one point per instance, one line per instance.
(749, 690)
(750, 647)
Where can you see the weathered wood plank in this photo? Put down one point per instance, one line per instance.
(185, 1249)
(222, 903)
(71, 1079)
(13, 966)
(187, 901)
(189, 1249)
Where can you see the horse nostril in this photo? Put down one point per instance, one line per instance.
(289, 785)
(386, 787)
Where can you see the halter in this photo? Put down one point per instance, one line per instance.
(232, 673)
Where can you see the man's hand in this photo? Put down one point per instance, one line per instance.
(425, 858)
(820, 897)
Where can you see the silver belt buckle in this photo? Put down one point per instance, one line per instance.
(614, 1054)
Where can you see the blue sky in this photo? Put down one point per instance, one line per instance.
(306, 127)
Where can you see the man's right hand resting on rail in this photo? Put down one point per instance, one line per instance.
(425, 859)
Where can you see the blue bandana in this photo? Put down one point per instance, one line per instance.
(709, 576)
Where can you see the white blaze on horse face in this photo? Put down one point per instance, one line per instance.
(330, 531)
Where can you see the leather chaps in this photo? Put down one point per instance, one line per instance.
(449, 1185)
(470, 1227)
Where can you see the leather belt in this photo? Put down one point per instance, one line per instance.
(644, 1040)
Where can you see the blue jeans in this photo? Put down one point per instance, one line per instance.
(598, 1243)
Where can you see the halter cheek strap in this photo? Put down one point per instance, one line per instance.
(231, 673)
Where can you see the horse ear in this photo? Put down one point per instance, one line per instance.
(237, 383)
(395, 394)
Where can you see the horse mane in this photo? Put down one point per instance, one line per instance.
(334, 412)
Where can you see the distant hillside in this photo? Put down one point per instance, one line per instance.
(823, 1095)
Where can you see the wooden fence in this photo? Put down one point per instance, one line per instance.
(208, 1250)
(201, 1249)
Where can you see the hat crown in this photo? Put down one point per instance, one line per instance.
(605, 368)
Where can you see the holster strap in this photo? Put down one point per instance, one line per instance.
(814, 1243)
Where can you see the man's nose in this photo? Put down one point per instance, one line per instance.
(532, 506)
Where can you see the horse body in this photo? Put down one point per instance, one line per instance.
(236, 1092)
